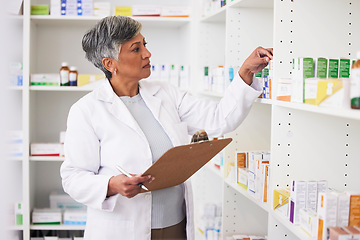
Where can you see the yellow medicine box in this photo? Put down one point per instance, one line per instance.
(123, 11)
(327, 92)
(89, 78)
(281, 200)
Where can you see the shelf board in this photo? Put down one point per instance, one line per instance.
(251, 4)
(57, 227)
(62, 88)
(47, 159)
(244, 192)
(16, 88)
(337, 112)
(218, 15)
(16, 228)
(48, 20)
(15, 159)
(264, 101)
(295, 229)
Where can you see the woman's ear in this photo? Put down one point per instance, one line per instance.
(108, 64)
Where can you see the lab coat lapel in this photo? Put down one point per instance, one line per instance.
(118, 108)
(148, 93)
(152, 102)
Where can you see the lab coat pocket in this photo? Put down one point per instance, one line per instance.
(110, 229)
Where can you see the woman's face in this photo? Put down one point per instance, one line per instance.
(134, 59)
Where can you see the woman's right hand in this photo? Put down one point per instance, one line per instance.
(127, 186)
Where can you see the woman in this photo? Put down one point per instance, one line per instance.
(131, 123)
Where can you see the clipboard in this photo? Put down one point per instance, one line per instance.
(179, 163)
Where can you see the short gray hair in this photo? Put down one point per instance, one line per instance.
(106, 38)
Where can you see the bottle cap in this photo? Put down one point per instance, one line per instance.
(64, 64)
(72, 68)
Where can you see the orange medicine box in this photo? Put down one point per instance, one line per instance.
(354, 215)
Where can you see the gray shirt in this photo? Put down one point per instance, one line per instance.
(168, 205)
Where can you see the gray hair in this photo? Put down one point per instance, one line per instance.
(106, 37)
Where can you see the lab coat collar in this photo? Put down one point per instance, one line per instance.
(106, 93)
(147, 90)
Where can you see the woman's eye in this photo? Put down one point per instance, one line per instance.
(136, 50)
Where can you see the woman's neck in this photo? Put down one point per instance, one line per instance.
(124, 88)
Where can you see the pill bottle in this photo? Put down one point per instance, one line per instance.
(64, 74)
(73, 76)
(355, 83)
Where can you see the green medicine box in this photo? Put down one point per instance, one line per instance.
(333, 68)
(39, 9)
(344, 68)
(321, 67)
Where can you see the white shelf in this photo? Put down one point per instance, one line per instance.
(61, 88)
(218, 15)
(16, 88)
(57, 227)
(47, 159)
(337, 112)
(15, 159)
(295, 229)
(251, 3)
(16, 228)
(242, 191)
(48, 20)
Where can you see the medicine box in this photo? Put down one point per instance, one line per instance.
(281, 201)
(354, 215)
(311, 195)
(45, 149)
(309, 221)
(303, 69)
(297, 200)
(64, 201)
(45, 79)
(123, 11)
(338, 233)
(284, 89)
(46, 216)
(84, 79)
(146, 11)
(74, 217)
(175, 12)
(39, 10)
(327, 213)
(354, 231)
(242, 177)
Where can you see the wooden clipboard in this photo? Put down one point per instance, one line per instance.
(179, 163)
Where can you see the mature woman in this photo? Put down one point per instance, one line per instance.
(131, 123)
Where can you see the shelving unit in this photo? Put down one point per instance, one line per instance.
(46, 42)
(306, 142)
(303, 139)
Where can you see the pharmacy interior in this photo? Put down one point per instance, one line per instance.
(292, 168)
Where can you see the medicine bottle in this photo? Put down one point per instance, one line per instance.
(355, 83)
(73, 76)
(64, 74)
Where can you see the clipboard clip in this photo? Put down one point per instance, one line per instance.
(199, 136)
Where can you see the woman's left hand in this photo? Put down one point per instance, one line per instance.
(257, 61)
(127, 186)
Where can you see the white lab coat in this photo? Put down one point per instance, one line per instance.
(101, 133)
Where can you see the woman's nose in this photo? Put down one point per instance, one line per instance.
(147, 53)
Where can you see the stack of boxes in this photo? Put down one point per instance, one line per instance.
(315, 208)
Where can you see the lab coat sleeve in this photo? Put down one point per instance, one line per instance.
(79, 172)
(218, 118)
